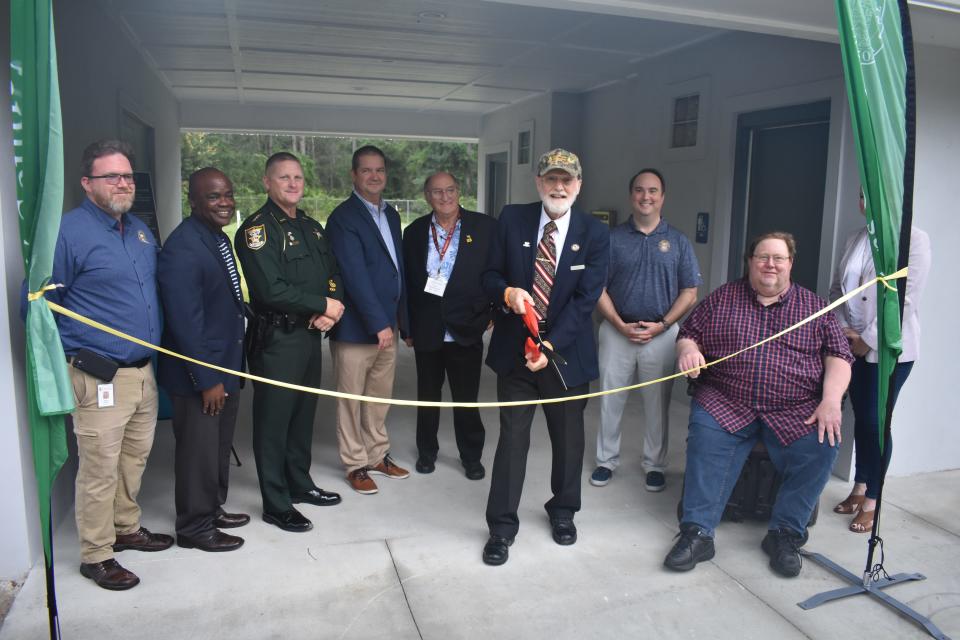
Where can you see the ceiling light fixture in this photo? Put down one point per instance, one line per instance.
(431, 16)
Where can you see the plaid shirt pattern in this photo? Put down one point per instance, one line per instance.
(779, 383)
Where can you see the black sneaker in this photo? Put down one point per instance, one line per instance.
(656, 482)
(693, 546)
(783, 547)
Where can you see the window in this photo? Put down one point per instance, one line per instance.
(523, 147)
(686, 115)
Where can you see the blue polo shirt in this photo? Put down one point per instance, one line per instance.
(106, 277)
(647, 271)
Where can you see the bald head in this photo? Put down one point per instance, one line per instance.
(211, 197)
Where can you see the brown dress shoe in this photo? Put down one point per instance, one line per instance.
(226, 520)
(387, 468)
(361, 482)
(142, 540)
(109, 575)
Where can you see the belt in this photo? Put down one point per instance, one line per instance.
(136, 364)
(629, 320)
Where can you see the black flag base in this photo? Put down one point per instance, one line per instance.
(872, 588)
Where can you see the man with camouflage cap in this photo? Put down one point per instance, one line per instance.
(553, 258)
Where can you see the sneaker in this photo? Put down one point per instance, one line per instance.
(361, 482)
(783, 547)
(656, 482)
(387, 468)
(693, 546)
(600, 476)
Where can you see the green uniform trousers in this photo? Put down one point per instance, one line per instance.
(283, 418)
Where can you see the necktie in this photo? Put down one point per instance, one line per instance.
(544, 269)
(227, 256)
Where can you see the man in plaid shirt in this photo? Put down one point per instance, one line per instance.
(786, 393)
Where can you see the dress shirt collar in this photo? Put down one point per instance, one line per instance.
(102, 216)
(563, 222)
(375, 210)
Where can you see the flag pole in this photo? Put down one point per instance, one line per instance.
(875, 578)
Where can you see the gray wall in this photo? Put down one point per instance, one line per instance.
(101, 73)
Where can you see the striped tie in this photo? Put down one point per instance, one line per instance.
(544, 269)
(227, 256)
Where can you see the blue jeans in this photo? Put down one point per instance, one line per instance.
(715, 458)
(870, 464)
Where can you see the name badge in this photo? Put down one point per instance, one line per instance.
(436, 285)
(577, 267)
(105, 395)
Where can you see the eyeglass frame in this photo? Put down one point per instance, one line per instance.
(451, 191)
(113, 179)
(766, 257)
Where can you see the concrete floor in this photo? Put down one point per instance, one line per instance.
(405, 563)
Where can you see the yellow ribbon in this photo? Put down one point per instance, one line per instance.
(427, 403)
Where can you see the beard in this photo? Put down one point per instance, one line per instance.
(117, 204)
(556, 208)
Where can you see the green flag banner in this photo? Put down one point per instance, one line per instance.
(876, 71)
(38, 154)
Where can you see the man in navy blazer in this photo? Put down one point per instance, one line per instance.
(364, 232)
(200, 290)
(554, 258)
(444, 253)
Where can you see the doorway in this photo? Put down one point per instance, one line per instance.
(497, 167)
(779, 180)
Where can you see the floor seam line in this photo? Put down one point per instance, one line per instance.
(765, 603)
(403, 589)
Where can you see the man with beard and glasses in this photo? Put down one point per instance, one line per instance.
(106, 260)
(554, 258)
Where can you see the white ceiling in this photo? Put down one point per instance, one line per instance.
(464, 56)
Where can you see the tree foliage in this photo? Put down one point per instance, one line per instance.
(326, 164)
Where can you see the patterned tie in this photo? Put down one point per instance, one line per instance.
(544, 269)
(227, 256)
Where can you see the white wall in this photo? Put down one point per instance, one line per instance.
(100, 74)
(498, 132)
(924, 426)
(626, 126)
(20, 525)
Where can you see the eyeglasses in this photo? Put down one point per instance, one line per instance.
(778, 260)
(114, 178)
(436, 193)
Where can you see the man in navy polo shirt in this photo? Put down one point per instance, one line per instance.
(106, 262)
(652, 283)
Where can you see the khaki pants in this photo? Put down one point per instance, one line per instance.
(113, 444)
(361, 426)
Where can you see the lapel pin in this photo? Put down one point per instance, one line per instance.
(469, 239)
(526, 244)
(574, 247)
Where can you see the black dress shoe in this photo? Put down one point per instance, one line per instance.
(426, 464)
(109, 575)
(474, 470)
(216, 541)
(497, 550)
(564, 531)
(693, 546)
(291, 520)
(318, 497)
(226, 520)
(142, 540)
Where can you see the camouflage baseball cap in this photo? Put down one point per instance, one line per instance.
(559, 159)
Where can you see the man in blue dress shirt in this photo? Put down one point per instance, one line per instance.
(105, 260)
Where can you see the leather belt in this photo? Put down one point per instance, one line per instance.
(136, 364)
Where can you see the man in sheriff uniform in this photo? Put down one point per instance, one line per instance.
(293, 280)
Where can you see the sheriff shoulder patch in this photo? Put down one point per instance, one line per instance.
(256, 237)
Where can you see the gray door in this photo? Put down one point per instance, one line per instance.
(779, 182)
(496, 182)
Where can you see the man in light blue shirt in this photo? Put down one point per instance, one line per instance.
(364, 232)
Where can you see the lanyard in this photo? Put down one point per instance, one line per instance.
(446, 243)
